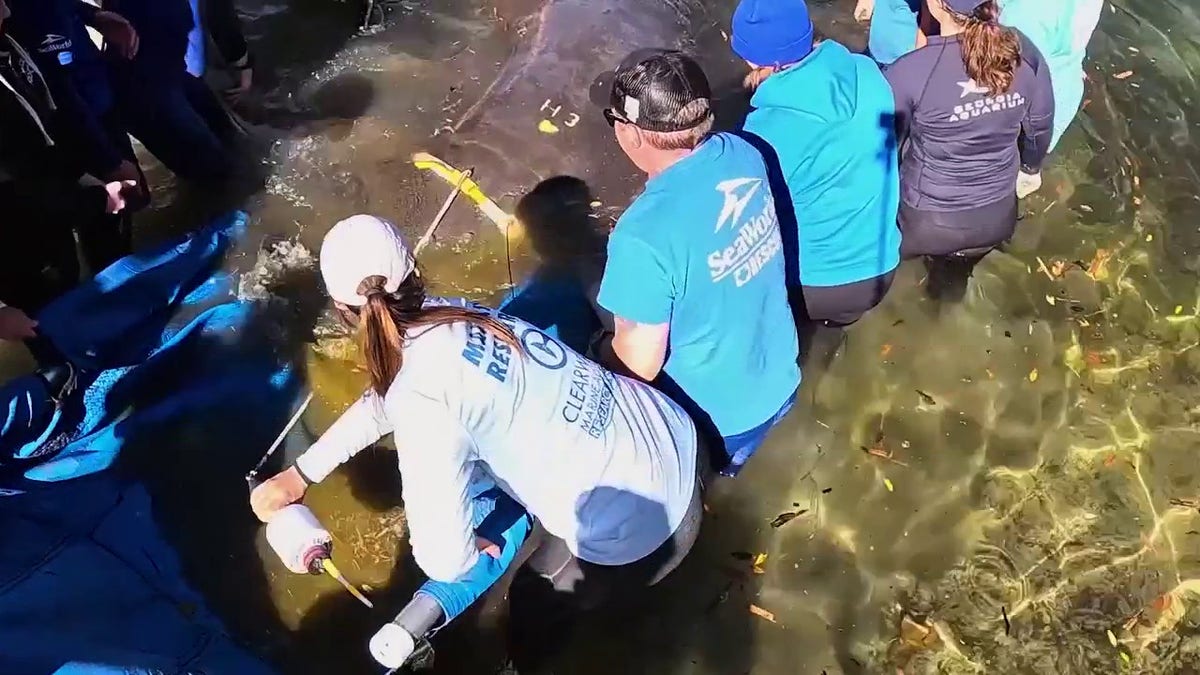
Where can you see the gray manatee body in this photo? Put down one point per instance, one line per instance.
(536, 120)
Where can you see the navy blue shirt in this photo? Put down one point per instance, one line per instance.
(961, 147)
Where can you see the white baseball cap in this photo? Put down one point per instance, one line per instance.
(359, 247)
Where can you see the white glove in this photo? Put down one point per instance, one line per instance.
(1028, 183)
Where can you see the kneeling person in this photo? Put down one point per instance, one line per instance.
(695, 270)
(607, 465)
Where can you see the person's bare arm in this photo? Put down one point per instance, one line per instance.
(637, 349)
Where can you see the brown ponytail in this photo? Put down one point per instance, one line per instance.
(387, 319)
(991, 52)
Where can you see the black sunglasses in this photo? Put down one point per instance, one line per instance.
(612, 117)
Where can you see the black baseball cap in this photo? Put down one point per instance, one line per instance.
(651, 88)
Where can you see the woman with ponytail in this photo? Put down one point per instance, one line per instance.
(974, 107)
(607, 465)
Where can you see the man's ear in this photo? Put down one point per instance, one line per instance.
(630, 135)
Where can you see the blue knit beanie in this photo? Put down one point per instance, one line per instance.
(772, 32)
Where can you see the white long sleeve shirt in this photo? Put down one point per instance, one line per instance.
(606, 463)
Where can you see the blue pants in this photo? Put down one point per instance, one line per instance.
(183, 124)
(739, 448)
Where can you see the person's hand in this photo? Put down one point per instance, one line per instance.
(286, 487)
(16, 324)
(127, 172)
(119, 192)
(487, 547)
(245, 80)
(118, 33)
(864, 10)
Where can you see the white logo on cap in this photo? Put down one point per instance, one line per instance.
(633, 109)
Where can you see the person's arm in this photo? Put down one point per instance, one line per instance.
(361, 426)
(77, 125)
(926, 26)
(119, 35)
(435, 456)
(1037, 128)
(225, 28)
(637, 289)
(899, 76)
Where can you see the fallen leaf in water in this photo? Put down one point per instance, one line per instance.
(990, 374)
(1125, 658)
(926, 398)
(887, 349)
(787, 517)
(1123, 75)
(1094, 358)
(1085, 207)
(1112, 638)
(1149, 237)
(547, 127)
(1137, 182)
(1033, 375)
(596, 204)
(762, 613)
(1178, 310)
(1043, 269)
(760, 559)
(1161, 603)
(1108, 461)
(887, 483)
(1058, 267)
(1097, 269)
(916, 634)
(1050, 299)
(1137, 201)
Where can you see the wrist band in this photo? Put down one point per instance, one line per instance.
(308, 482)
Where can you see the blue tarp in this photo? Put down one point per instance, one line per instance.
(88, 583)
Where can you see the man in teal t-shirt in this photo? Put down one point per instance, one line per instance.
(695, 271)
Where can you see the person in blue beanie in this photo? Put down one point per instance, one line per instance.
(823, 118)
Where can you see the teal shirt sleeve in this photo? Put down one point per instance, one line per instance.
(636, 284)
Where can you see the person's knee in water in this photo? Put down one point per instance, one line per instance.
(973, 108)
(837, 152)
(468, 391)
(695, 271)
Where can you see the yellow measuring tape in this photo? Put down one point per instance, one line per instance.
(467, 186)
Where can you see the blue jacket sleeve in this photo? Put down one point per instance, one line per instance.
(1037, 129)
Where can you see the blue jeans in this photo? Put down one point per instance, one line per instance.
(739, 448)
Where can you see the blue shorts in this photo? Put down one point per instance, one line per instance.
(739, 448)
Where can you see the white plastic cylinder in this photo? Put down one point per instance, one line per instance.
(296, 537)
(392, 646)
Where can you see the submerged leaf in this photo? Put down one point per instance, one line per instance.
(762, 613)
(1112, 638)
(887, 483)
(1033, 375)
(787, 517)
(926, 398)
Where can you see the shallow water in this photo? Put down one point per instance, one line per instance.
(999, 487)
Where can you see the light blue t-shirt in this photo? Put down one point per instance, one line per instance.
(893, 29)
(700, 249)
(1061, 31)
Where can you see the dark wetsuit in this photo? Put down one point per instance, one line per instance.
(961, 147)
